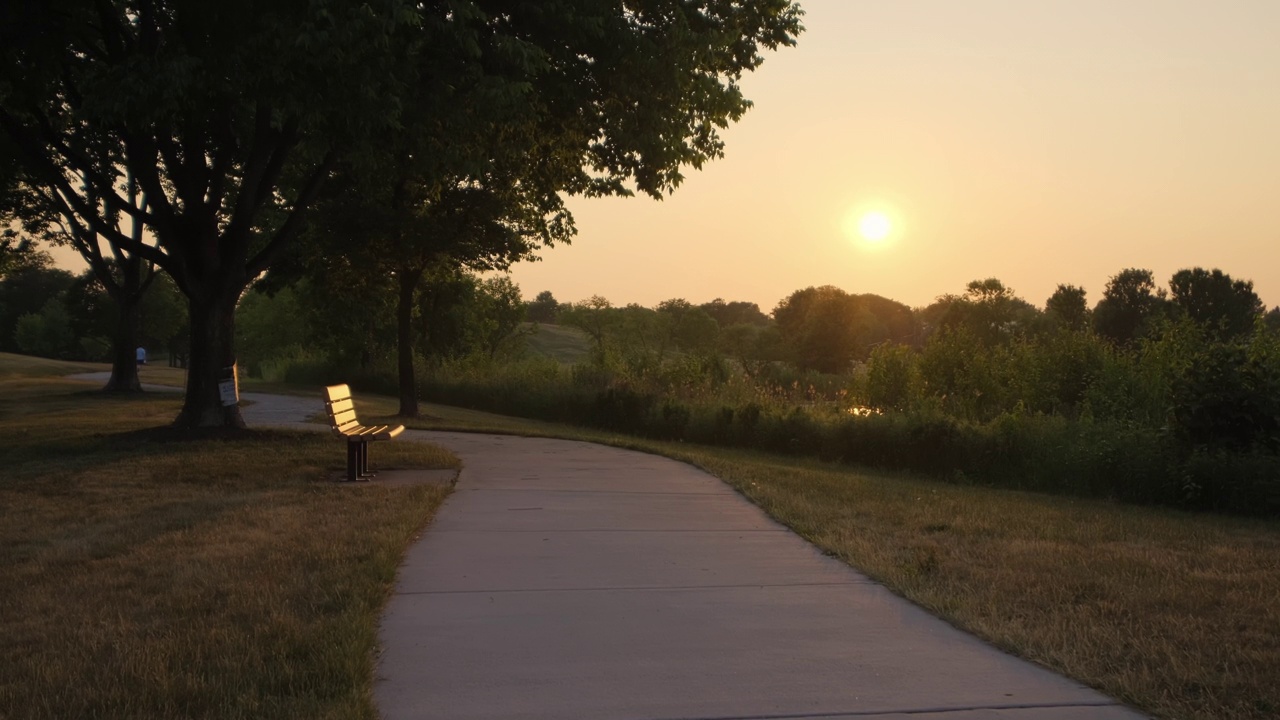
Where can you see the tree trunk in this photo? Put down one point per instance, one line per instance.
(124, 363)
(212, 352)
(404, 343)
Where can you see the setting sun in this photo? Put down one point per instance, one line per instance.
(874, 226)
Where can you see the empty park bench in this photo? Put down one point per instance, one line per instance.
(342, 418)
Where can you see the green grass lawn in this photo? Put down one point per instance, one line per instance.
(1175, 613)
(148, 576)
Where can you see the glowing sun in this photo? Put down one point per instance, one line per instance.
(874, 226)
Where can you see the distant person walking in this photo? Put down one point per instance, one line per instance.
(142, 356)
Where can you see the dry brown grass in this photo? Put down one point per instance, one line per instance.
(1177, 614)
(1174, 613)
(143, 576)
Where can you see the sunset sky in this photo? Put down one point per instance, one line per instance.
(1043, 142)
(1038, 142)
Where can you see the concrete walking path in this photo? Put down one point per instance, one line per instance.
(569, 580)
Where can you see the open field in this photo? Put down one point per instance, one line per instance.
(1175, 613)
(144, 575)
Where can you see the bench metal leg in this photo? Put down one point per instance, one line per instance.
(358, 461)
(353, 461)
(365, 472)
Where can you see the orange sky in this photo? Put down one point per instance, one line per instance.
(1038, 142)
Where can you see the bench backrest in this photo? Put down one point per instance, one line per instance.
(342, 411)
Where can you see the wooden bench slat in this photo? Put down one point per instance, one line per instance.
(341, 406)
(343, 418)
(334, 393)
(375, 432)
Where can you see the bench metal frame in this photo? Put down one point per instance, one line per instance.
(342, 420)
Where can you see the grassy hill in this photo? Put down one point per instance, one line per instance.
(566, 344)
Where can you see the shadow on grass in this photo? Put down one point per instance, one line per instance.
(170, 434)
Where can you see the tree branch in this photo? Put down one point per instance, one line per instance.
(276, 245)
(263, 155)
(140, 159)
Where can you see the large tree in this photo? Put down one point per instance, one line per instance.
(231, 115)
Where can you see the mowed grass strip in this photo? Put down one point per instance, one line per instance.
(1174, 613)
(143, 575)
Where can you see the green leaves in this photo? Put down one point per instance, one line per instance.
(232, 115)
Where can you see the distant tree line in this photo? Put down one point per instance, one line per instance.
(829, 330)
(1153, 394)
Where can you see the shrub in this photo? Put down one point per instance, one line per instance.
(892, 374)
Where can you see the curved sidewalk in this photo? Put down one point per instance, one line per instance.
(570, 580)
(564, 580)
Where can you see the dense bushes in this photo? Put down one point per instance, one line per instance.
(1180, 420)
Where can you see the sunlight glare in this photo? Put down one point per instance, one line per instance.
(874, 226)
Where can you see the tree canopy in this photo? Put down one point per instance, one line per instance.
(1129, 303)
(1068, 306)
(231, 115)
(827, 328)
(544, 307)
(1226, 307)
